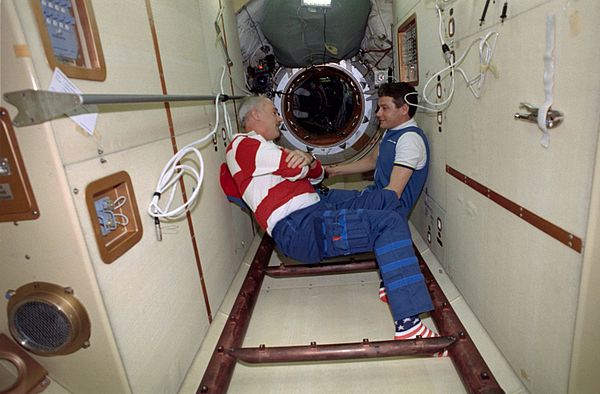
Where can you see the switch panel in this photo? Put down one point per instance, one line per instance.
(408, 53)
(60, 23)
(17, 201)
(114, 215)
(70, 36)
(106, 215)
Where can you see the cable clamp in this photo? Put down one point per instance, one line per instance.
(489, 67)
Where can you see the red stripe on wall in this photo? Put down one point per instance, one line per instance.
(540, 223)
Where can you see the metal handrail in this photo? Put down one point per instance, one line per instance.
(38, 106)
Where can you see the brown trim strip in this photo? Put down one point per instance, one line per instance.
(470, 365)
(342, 351)
(540, 223)
(163, 85)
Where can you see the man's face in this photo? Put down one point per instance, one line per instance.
(271, 120)
(389, 115)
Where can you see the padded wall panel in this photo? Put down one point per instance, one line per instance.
(152, 293)
(507, 270)
(131, 68)
(185, 61)
(505, 154)
(150, 298)
(517, 275)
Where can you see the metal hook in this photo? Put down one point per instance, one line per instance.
(553, 117)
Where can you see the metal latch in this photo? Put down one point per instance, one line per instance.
(553, 117)
(4, 166)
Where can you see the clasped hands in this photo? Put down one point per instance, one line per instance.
(298, 158)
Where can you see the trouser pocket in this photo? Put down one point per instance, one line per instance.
(345, 232)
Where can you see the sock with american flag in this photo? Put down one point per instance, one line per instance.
(413, 327)
(382, 293)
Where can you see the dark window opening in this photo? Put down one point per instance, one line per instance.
(323, 106)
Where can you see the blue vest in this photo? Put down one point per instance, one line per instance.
(385, 165)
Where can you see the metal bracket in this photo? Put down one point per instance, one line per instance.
(553, 117)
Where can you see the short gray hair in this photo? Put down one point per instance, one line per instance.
(248, 105)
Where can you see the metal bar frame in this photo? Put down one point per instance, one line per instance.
(472, 369)
(219, 371)
(342, 351)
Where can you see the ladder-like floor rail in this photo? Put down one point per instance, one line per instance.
(470, 365)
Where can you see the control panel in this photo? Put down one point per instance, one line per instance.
(114, 214)
(408, 54)
(70, 36)
(60, 23)
(17, 201)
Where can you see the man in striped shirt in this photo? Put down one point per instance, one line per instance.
(276, 184)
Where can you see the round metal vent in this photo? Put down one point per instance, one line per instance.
(47, 319)
(328, 110)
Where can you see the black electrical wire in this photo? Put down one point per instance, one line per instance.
(504, 10)
(485, 9)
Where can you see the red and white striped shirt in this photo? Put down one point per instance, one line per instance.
(266, 184)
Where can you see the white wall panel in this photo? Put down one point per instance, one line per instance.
(131, 68)
(185, 60)
(221, 251)
(508, 152)
(152, 292)
(517, 279)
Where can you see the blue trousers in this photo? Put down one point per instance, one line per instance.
(340, 196)
(367, 223)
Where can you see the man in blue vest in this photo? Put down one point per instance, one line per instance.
(400, 161)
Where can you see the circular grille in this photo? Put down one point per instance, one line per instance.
(42, 327)
(47, 319)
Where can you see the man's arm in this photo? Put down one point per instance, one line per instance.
(365, 164)
(410, 155)
(399, 178)
(298, 158)
(260, 158)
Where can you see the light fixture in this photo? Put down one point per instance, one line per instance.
(316, 3)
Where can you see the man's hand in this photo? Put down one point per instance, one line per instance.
(297, 158)
(331, 170)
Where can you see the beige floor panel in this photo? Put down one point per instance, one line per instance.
(388, 376)
(334, 314)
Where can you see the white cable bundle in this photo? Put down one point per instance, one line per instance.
(486, 52)
(174, 170)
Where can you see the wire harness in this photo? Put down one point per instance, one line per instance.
(177, 167)
(487, 46)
